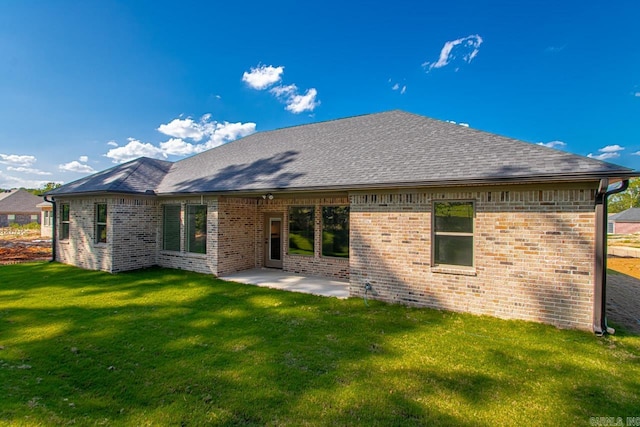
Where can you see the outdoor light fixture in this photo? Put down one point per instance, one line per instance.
(267, 196)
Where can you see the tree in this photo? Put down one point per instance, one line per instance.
(630, 198)
(46, 187)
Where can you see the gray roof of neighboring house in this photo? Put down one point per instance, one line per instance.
(19, 201)
(393, 148)
(629, 215)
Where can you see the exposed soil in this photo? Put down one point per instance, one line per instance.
(26, 247)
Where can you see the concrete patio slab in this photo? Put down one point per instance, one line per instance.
(279, 279)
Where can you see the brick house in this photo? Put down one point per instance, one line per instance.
(428, 213)
(625, 222)
(18, 206)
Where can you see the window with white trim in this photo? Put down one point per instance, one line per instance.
(64, 221)
(196, 229)
(101, 223)
(453, 233)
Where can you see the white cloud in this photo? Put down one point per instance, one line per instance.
(178, 147)
(301, 103)
(263, 76)
(295, 102)
(555, 49)
(15, 159)
(9, 181)
(112, 143)
(83, 159)
(637, 94)
(468, 47)
(403, 90)
(27, 170)
(284, 91)
(183, 128)
(210, 132)
(552, 144)
(608, 152)
(395, 87)
(76, 166)
(133, 150)
(466, 125)
(603, 156)
(611, 149)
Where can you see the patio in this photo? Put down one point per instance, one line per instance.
(278, 279)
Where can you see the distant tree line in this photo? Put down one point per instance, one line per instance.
(38, 191)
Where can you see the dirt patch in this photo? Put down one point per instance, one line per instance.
(21, 248)
(623, 293)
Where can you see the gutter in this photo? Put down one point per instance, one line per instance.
(600, 326)
(53, 227)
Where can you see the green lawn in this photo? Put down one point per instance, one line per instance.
(166, 347)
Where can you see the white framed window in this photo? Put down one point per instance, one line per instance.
(453, 226)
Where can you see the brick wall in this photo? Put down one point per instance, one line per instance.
(626, 227)
(316, 265)
(81, 249)
(534, 252)
(132, 229)
(236, 231)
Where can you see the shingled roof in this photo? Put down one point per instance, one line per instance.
(142, 175)
(393, 148)
(629, 215)
(19, 201)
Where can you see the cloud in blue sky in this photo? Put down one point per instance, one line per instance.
(188, 136)
(262, 76)
(17, 159)
(465, 48)
(265, 76)
(608, 152)
(553, 144)
(77, 166)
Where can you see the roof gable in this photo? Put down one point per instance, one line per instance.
(137, 176)
(19, 202)
(393, 148)
(629, 215)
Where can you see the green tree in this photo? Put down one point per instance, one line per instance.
(630, 198)
(47, 187)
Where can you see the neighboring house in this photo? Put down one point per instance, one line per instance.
(18, 207)
(46, 219)
(427, 212)
(625, 222)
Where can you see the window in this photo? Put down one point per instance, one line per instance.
(453, 233)
(101, 223)
(47, 218)
(11, 217)
(301, 230)
(335, 231)
(64, 221)
(196, 229)
(171, 228)
(34, 218)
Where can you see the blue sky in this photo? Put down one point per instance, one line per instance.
(87, 84)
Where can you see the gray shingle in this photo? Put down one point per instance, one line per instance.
(391, 148)
(384, 149)
(19, 202)
(137, 176)
(629, 215)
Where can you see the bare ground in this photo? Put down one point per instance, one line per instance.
(25, 247)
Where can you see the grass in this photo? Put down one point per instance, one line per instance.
(166, 347)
